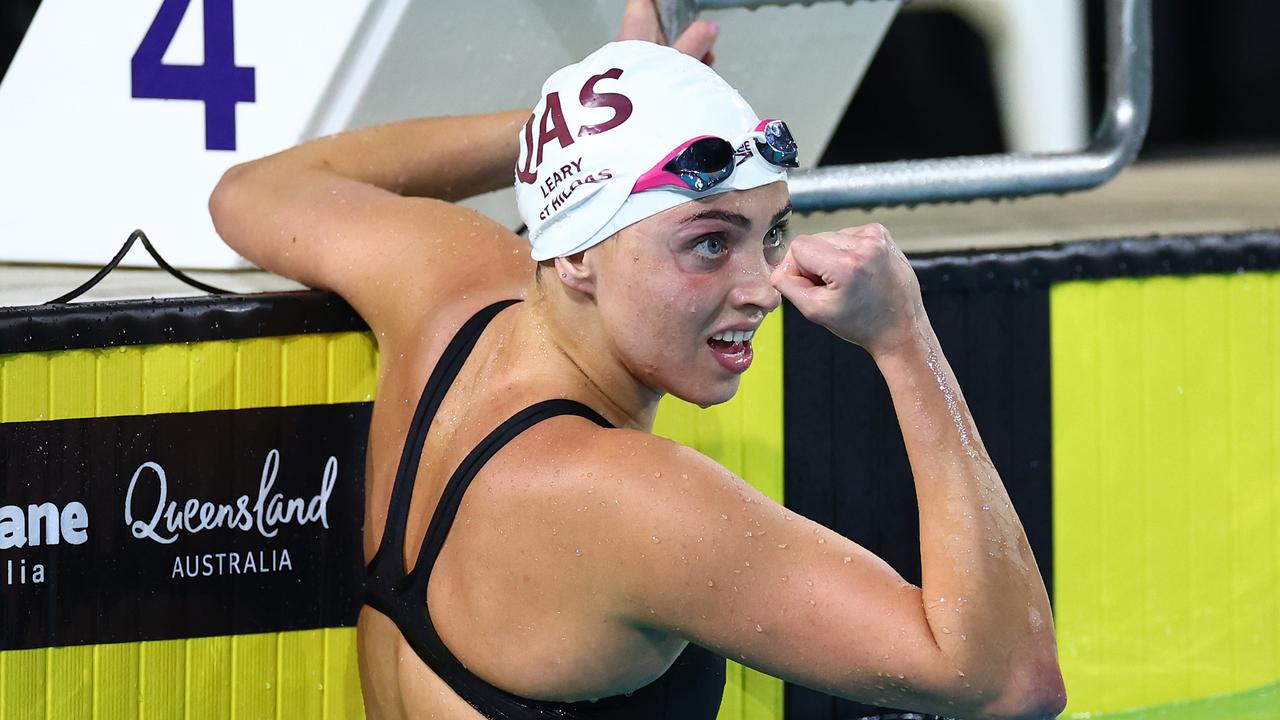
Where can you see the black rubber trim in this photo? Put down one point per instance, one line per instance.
(1022, 268)
(39, 328)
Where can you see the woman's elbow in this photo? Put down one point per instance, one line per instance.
(1032, 694)
(225, 200)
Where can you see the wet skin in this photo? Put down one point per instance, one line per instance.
(628, 321)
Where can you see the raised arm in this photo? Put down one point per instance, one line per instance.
(712, 559)
(369, 213)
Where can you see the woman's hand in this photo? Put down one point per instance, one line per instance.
(640, 22)
(856, 283)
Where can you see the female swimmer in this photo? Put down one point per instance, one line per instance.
(534, 551)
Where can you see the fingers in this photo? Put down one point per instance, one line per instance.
(640, 22)
(697, 39)
(794, 282)
(818, 256)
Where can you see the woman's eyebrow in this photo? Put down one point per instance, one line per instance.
(733, 218)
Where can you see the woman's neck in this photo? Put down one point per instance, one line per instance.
(567, 337)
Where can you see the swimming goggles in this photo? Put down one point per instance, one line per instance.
(704, 162)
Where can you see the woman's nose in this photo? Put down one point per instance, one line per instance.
(753, 288)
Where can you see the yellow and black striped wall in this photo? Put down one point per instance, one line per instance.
(1128, 392)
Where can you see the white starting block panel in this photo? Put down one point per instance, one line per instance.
(123, 115)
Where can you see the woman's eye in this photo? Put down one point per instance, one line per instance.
(711, 246)
(776, 243)
(774, 238)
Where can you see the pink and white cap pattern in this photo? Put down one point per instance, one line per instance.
(602, 123)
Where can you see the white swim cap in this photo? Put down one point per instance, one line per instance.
(605, 121)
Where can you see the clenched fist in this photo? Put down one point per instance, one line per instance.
(856, 283)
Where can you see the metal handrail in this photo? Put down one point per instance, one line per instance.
(1114, 145)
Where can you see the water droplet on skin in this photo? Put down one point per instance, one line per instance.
(748, 534)
(809, 583)
(946, 631)
(822, 541)
(960, 673)
(657, 474)
(723, 516)
(711, 583)
(655, 539)
(783, 546)
(758, 628)
(578, 552)
(848, 559)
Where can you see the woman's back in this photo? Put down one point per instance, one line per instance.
(502, 584)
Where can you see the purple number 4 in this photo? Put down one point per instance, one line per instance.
(219, 82)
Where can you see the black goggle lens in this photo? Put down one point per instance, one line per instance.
(704, 164)
(779, 147)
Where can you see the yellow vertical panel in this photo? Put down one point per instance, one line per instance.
(116, 682)
(1207, 458)
(212, 381)
(1251, 475)
(1274, 443)
(353, 367)
(162, 666)
(306, 369)
(1077, 538)
(731, 705)
(68, 682)
(259, 373)
(253, 674)
(72, 378)
(1166, 423)
(1162, 382)
(22, 676)
(24, 392)
(1121, 470)
(341, 681)
(165, 378)
(119, 382)
(300, 673)
(208, 686)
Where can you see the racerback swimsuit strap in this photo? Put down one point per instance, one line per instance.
(697, 675)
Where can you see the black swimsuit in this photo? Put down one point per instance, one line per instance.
(691, 688)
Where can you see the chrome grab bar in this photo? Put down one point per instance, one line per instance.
(1115, 143)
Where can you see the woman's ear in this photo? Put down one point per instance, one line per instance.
(574, 271)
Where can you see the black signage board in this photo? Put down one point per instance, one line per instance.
(152, 527)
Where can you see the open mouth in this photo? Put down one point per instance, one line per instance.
(732, 349)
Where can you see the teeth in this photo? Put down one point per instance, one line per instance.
(734, 336)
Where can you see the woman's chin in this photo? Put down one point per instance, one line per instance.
(708, 393)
